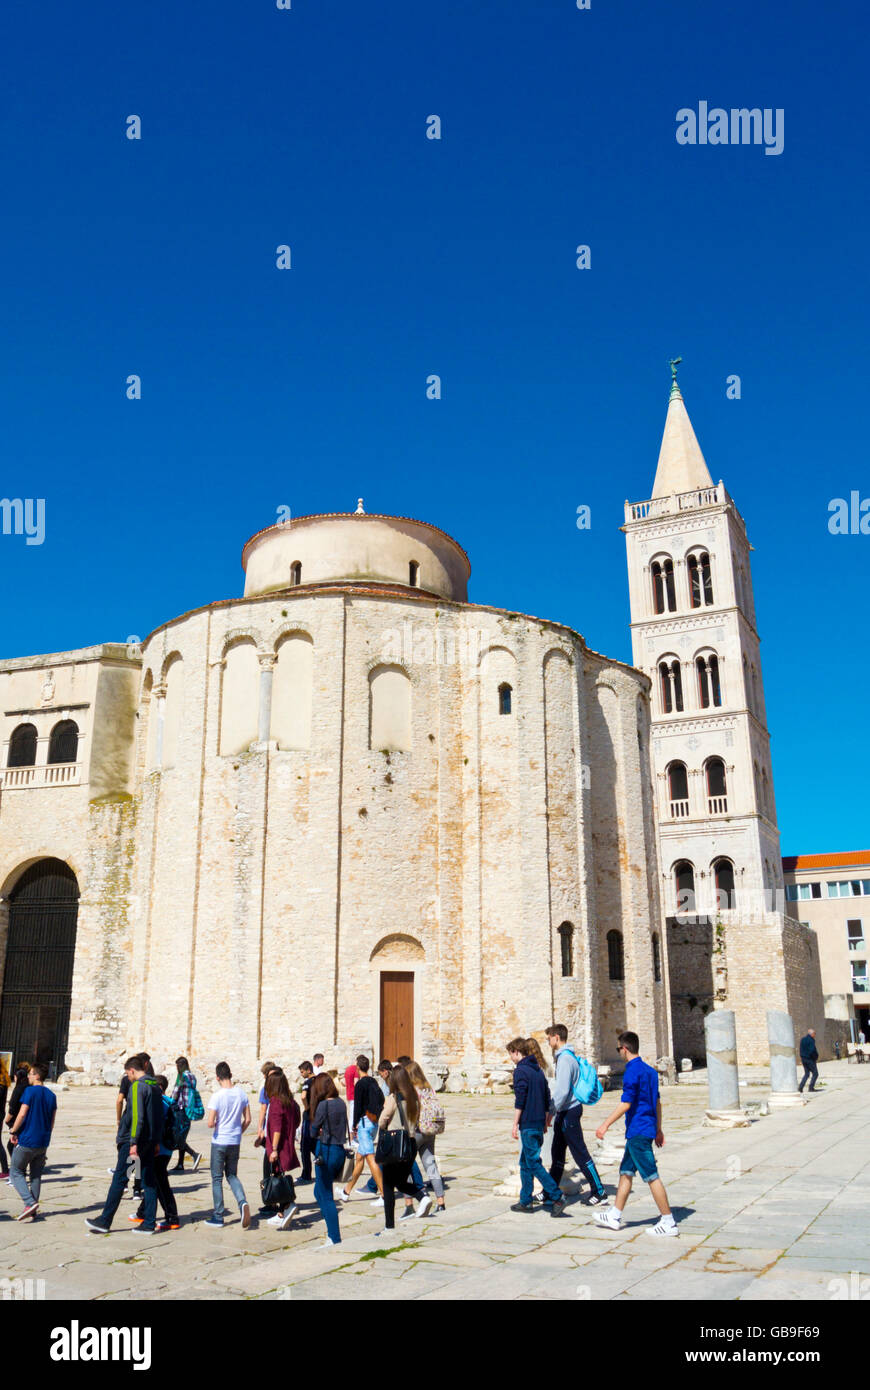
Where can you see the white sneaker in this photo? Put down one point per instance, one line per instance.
(378, 1202)
(660, 1229)
(327, 1245)
(609, 1219)
(343, 1196)
(275, 1220)
(284, 1221)
(424, 1205)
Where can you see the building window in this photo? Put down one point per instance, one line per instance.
(678, 790)
(700, 580)
(723, 872)
(801, 892)
(684, 885)
(504, 699)
(414, 574)
(566, 938)
(615, 963)
(22, 746)
(859, 977)
(855, 930)
(672, 686)
(657, 958)
(717, 790)
(296, 573)
(709, 688)
(389, 709)
(851, 888)
(664, 592)
(63, 746)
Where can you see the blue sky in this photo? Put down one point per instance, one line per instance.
(410, 256)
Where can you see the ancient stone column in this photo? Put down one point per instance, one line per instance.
(720, 1036)
(783, 1070)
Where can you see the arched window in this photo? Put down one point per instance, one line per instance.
(22, 746)
(709, 687)
(615, 963)
(723, 872)
(717, 791)
(757, 777)
(678, 790)
(389, 709)
(414, 574)
(684, 885)
(566, 937)
(765, 792)
(747, 691)
(664, 592)
(657, 957)
(296, 573)
(671, 676)
(290, 725)
(240, 698)
(504, 699)
(173, 706)
(63, 746)
(700, 580)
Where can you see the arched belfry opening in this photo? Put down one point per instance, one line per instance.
(38, 974)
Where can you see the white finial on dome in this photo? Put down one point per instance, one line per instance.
(360, 509)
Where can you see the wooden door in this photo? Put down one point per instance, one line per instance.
(397, 1014)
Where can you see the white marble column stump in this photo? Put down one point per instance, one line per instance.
(783, 1069)
(720, 1036)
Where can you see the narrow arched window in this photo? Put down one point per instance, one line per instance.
(22, 746)
(658, 587)
(684, 885)
(723, 872)
(63, 746)
(665, 678)
(694, 581)
(678, 790)
(715, 687)
(706, 578)
(709, 688)
(615, 963)
(296, 573)
(671, 676)
(670, 591)
(657, 957)
(765, 791)
(677, 677)
(504, 699)
(414, 574)
(566, 938)
(717, 791)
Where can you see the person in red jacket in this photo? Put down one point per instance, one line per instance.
(281, 1123)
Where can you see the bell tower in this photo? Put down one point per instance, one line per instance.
(694, 634)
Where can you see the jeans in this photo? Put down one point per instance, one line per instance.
(305, 1145)
(117, 1186)
(811, 1074)
(22, 1160)
(165, 1195)
(325, 1174)
(426, 1155)
(531, 1167)
(567, 1134)
(225, 1164)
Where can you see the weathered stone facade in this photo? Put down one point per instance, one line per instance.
(325, 782)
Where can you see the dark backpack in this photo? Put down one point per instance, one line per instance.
(171, 1137)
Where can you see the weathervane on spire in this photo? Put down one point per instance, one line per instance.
(674, 364)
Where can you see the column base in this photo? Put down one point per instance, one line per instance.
(726, 1119)
(781, 1100)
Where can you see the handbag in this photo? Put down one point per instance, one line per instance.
(278, 1190)
(322, 1142)
(396, 1145)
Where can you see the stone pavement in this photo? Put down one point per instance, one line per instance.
(774, 1211)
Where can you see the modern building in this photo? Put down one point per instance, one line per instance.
(831, 893)
(349, 809)
(694, 634)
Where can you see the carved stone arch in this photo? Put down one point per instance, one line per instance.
(287, 630)
(237, 636)
(13, 875)
(398, 944)
(397, 965)
(170, 658)
(494, 647)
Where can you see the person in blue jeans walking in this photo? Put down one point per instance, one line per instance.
(228, 1115)
(567, 1112)
(30, 1136)
(642, 1108)
(531, 1120)
(138, 1137)
(328, 1135)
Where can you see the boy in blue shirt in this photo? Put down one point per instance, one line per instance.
(642, 1109)
(31, 1135)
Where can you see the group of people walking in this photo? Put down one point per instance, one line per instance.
(387, 1123)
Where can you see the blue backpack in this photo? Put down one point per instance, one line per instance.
(587, 1087)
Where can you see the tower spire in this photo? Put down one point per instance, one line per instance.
(681, 465)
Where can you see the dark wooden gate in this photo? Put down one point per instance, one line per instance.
(37, 980)
(397, 1014)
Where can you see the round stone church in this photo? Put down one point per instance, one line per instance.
(350, 810)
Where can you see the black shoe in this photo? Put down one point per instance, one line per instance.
(524, 1206)
(596, 1201)
(177, 1169)
(556, 1208)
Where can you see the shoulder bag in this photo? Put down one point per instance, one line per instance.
(396, 1145)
